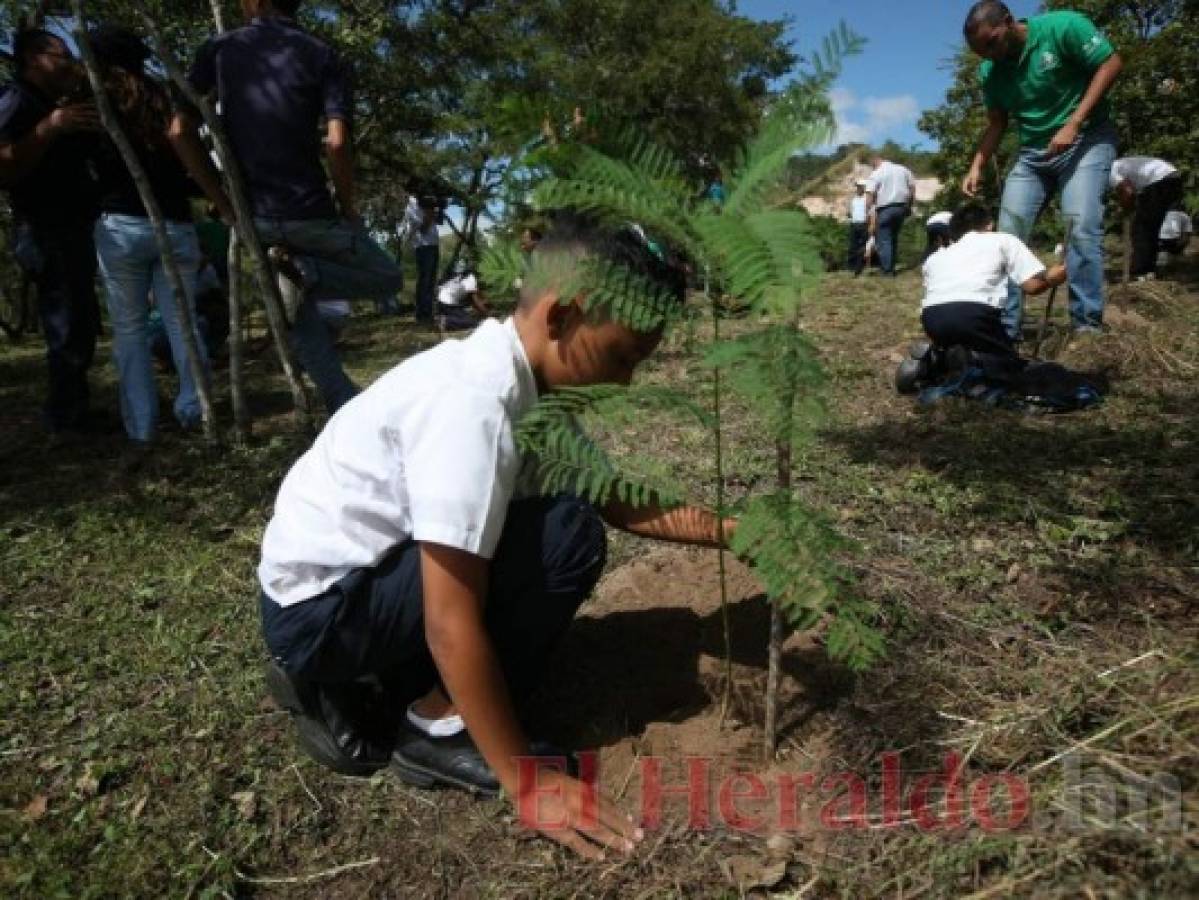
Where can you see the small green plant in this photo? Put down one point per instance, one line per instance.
(765, 259)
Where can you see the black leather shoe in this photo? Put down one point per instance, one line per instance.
(334, 723)
(426, 762)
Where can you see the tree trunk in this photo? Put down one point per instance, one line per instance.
(263, 272)
(112, 125)
(237, 388)
(726, 693)
(782, 452)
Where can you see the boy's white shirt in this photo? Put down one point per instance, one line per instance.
(857, 210)
(1175, 225)
(976, 269)
(1140, 171)
(427, 452)
(940, 218)
(454, 291)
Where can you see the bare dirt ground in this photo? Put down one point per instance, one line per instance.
(1035, 578)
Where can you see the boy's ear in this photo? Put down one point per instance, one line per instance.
(562, 318)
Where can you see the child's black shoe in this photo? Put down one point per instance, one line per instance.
(331, 722)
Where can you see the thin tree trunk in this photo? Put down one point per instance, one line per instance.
(726, 692)
(218, 16)
(237, 388)
(263, 272)
(112, 125)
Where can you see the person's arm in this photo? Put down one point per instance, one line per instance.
(1046, 279)
(681, 525)
(1101, 81)
(19, 158)
(185, 139)
(997, 120)
(455, 587)
(340, 152)
(1126, 195)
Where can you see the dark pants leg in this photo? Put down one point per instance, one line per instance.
(371, 623)
(426, 280)
(890, 220)
(858, 235)
(977, 327)
(70, 316)
(456, 318)
(1152, 205)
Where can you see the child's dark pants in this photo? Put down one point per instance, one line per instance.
(977, 327)
(371, 622)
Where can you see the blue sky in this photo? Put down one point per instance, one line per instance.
(902, 69)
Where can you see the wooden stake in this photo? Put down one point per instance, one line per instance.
(166, 252)
(263, 273)
(237, 389)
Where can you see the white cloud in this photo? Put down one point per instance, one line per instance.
(870, 119)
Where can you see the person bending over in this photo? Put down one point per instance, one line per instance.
(966, 287)
(406, 547)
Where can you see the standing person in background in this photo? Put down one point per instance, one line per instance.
(890, 190)
(1147, 188)
(276, 84)
(859, 228)
(44, 147)
(1051, 73)
(936, 229)
(131, 263)
(425, 236)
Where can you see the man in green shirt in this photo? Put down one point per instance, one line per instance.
(1051, 73)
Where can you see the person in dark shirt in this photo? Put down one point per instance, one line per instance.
(275, 83)
(44, 145)
(131, 263)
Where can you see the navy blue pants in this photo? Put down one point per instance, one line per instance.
(372, 622)
(426, 280)
(890, 219)
(977, 327)
(62, 262)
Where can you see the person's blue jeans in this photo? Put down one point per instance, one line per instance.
(339, 261)
(890, 219)
(131, 268)
(371, 622)
(1080, 175)
(61, 261)
(426, 279)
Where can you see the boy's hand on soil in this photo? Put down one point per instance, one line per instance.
(577, 816)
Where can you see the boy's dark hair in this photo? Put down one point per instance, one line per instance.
(581, 236)
(985, 12)
(287, 7)
(971, 217)
(30, 41)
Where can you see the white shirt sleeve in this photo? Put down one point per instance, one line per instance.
(457, 449)
(470, 284)
(1020, 262)
(1116, 175)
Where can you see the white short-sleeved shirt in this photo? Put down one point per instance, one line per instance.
(890, 183)
(976, 269)
(941, 218)
(1175, 225)
(857, 210)
(456, 290)
(427, 452)
(419, 234)
(1141, 171)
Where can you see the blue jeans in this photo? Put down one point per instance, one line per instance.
(890, 219)
(131, 268)
(1080, 174)
(339, 261)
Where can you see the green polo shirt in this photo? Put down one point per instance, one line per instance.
(1042, 88)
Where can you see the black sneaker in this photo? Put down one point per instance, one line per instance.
(334, 723)
(425, 762)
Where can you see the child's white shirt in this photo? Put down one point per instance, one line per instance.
(976, 269)
(456, 290)
(428, 452)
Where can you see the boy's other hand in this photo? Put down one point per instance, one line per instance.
(971, 182)
(1056, 275)
(577, 816)
(73, 117)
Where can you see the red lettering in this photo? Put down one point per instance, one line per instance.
(788, 798)
(950, 780)
(730, 794)
(981, 794)
(696, 791)
(892, 790)
(855, 816)
(529, 791)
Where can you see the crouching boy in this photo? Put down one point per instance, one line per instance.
(965, 288)
(403, 553)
